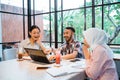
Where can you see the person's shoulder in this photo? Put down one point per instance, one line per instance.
(78, 42)
(100, 49)
(25, 41)
(63, 44)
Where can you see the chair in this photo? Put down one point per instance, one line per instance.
(117, 62)
(9, 53)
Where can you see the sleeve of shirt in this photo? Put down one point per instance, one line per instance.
(62, 48)
(95, 65)
(78, 48)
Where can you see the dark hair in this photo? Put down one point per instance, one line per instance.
(31, 28)
(71, 28)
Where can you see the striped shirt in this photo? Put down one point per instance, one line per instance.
(73, 46)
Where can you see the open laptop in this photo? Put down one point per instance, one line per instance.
(38, 55)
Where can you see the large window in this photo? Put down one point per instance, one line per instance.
(80, 14)
(111, 22)
(88, 18)
(74, 18)
(71, 4)
(52, 16)
(13, 23)
(13, 20)
(41, 6)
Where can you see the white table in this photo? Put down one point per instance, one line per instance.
(26, 70)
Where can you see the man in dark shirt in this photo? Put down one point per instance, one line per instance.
(70, 49)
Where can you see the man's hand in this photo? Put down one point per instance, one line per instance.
(53, 57)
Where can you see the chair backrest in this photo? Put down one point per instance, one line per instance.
(117, 62)
(10, 53)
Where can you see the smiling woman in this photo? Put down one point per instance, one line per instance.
(33, 41)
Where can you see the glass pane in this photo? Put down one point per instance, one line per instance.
(115, 48)
(75, 19)
(25, 6)
(88, 2)
(98, 17)
(32, 2)
(117, 39)
(41, 6)
(44, 23)
(59, 5)
(46, 28)
(59, 45)
(88, 18)
(110, 1)
(39, 21)
(53, 45)
(59, 27)
(69, 4)
(111, 22)
(52, 27)
(52, 5)
(14, 6)
(12, 25)
(98, 2)
(46, 44)
(26, 27)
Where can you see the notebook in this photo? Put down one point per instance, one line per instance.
(38, 55)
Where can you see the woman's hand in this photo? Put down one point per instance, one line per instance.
(86, 44)
(85, 50)
(25, 54)
(38, 41)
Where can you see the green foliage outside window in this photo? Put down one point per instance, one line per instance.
(75, 18)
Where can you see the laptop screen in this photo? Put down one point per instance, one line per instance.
(37, 55)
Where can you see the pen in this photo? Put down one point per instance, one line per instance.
(42, 67)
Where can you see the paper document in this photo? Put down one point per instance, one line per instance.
(79, 64)
(54, 71)
(26, 58)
